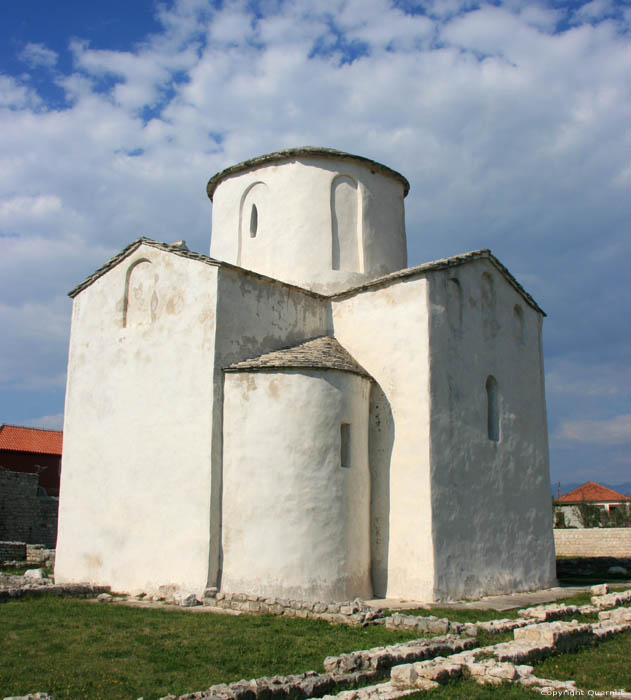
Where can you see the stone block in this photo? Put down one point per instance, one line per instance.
(437, 625)
(35, 574)
(563, 636)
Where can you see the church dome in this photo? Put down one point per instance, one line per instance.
(314, 217)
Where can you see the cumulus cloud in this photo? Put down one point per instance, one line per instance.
(14, 95)
(37, 55)
(509, 119)
(588, 381)
(613, 431)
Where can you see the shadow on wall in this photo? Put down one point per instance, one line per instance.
(381, 440)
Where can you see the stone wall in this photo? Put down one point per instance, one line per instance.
(45, 526)
(593, 542)
(25, 517)
(12, 551)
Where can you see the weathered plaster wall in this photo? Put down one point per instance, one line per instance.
(593, 542)
(295, 521)
(385, 330)
(294, 239)
(492, 517)
(136, 477)
(254, 316)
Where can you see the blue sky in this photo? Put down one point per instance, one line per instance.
(512, 121)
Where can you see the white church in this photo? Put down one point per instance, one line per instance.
(301, 415)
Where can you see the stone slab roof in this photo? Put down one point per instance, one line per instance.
(177, 249)
(592, 492)
(181, 250)
(301, 152)
(442, 264)
(319, 353)
(17, 438)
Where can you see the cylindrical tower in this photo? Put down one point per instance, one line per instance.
(315, 217)
(296, 492)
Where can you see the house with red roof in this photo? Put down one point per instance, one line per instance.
(34, 451)
(593, 494)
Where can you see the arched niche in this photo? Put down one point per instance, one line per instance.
(141, 298)
(454, 305)
(488, 304)
(345, 221)
(519, 330)
(252, 218)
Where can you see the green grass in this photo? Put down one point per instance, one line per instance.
(603, 667)
(80, 650)
(19, 571)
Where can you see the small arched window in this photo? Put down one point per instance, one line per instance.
(254, 221)
(492, 409)
(345, 445)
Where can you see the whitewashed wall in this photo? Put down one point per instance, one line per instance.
(491, 504)
(136, 477)
(254, 316)
(295, 226)
(295, 521)
(386, 330)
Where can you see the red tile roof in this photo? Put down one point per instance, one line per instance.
(20, 439)
(591, 491)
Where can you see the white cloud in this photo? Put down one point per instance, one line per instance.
(513, 135)
(54, 422)
(588, 381)
(614, 431)
(37, 55)
(20, 207)
(595, 10)
(35, 335)
(14, 95)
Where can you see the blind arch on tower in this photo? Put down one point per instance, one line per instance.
(345, 221)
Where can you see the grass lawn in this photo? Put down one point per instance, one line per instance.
(81, 650)
(604, 667)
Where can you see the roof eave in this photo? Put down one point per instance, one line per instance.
(301, 151)
(442, 264)
(131, 248)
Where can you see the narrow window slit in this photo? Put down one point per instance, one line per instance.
(492, 408)
(254, 221)
(345, 445)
